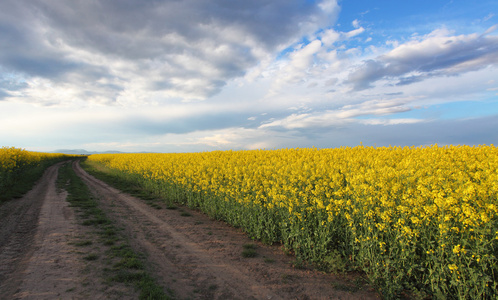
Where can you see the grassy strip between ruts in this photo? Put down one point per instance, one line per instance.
(125, 266)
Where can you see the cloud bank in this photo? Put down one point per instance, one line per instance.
(197, 75)
(436, 54)
(138, 50)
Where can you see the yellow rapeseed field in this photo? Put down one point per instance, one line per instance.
(19, 165)
(417, 219)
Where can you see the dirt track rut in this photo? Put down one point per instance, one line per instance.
(18, 227)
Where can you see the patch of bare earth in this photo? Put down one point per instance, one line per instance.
(200, 258)
(38, 258)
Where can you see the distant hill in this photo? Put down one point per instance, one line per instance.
(84, 152)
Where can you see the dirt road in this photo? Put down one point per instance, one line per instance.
(38, 258)
(18, 223)
(190, 254)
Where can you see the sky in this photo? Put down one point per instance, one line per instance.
(204, 75)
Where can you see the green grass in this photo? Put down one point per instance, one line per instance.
(129, 267)
(249, 251)
(92, 256)
(355, 286)
(83, 243)
(185, 214)
(269, 260)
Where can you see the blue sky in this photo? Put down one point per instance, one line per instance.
(203, 75)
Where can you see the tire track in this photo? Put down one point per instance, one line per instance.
(18, 225)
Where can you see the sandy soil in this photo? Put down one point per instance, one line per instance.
(200, 258)
(188, 253)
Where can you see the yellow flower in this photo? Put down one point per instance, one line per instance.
(414, 197)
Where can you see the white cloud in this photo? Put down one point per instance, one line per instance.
(488, 17)
(296, 69)
(436, 54)
(330, 36)
(347, 114)
(491, 29)
(187, 50)
(354, 32)
(329, 6)
(303, 58)
(390, 121)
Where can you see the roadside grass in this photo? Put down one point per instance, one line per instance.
(249, 251)
(185, 214)
(123, 264)
(83, 243)
(91, 256)
(360, 283)
(269, 260)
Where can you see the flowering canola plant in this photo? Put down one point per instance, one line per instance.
(419, 219)
(15, 163)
